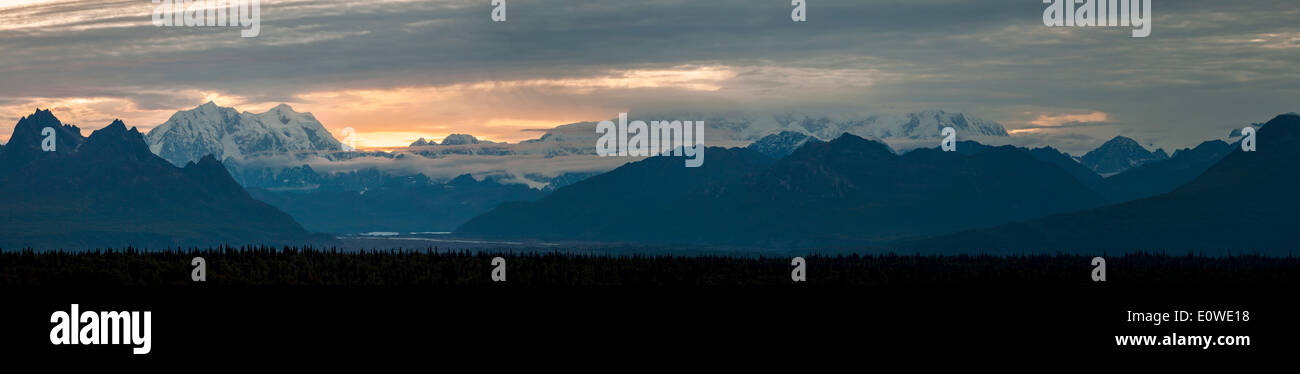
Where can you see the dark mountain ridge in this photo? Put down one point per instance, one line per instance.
(1119, 154)
(108, 189)
(847, 191)
(1162, 176)
(1244, 203)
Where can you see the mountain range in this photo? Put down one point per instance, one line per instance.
(453, 139)
(787, 188)
(1158, 177)
(410, 204)
(847, 191)
(790, 189)
(109, 190)
(629, 204)
(922, 125)
(1244, 203)
(1150, 178)
(260, 146)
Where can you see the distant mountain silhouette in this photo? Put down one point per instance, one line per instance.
(25, 143)
(1162, 176)
(453, 139)
(853, 190)
(652, 200)
(1247, 202)
(1119, 154)
(110, 190)
(781, 144)
(414, 205)
(1149, 178)
(1068, 164)
(846, 191)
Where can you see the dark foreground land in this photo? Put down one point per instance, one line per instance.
(430, 267)
(305, 303)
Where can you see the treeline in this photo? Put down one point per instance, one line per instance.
(432, 267)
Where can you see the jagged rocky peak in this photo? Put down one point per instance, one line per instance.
(210, 166)
(116, 141)
(781, 144)
(115, 127)
(28, 134)
(43, 118)
(116, 131)
(453, 139)
(208, 160)
(112, 191)
(1118, 154)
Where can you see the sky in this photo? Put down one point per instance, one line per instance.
(400, 70)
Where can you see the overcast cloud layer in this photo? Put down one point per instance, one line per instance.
(402, 69)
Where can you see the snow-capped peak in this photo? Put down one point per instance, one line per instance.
(460, 139)
(227, 134)
(912, 126)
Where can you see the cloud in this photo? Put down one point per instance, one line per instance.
(440, 66)
(1057, 120)
(513, 168)
(1048, 121)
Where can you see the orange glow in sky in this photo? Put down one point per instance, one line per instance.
(509, 111)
